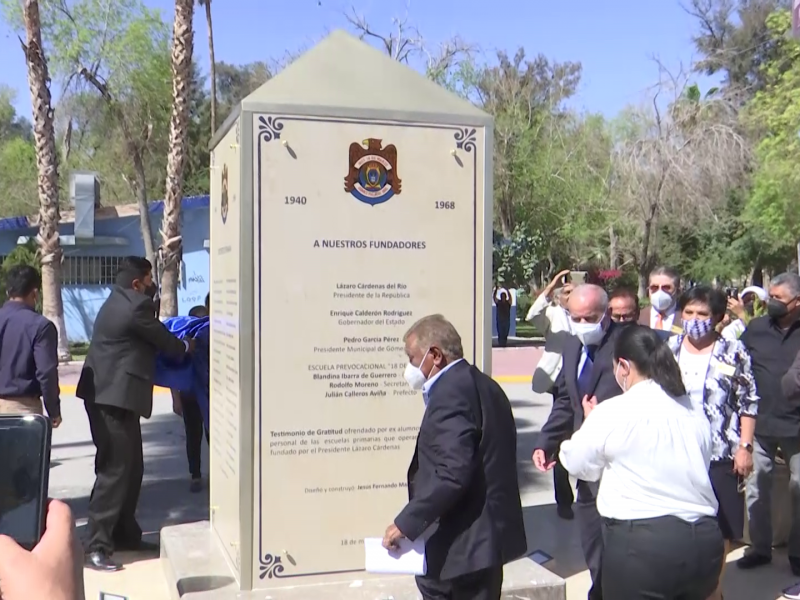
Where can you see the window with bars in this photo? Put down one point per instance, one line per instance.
(90, 270)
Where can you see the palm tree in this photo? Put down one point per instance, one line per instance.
(212, 63)
(172, 245)
(47, 164)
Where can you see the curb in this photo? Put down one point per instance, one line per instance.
(512, 378)
(68, 389)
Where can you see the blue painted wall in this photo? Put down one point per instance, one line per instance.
(81, 303)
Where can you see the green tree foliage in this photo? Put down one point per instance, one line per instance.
(17, 159)
(774, 116)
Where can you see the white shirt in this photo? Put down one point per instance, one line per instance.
(666, 323)
(426, 387)
(694, 368)
(554, 323)
(652, 452)
(733, 330)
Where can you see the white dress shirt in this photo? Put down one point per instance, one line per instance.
(667, 320)
(554, 322)
(426, 388)
(652, 452)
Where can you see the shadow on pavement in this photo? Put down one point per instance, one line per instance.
(547, 533)
(165, 498)
(765, 583)
(519, 342)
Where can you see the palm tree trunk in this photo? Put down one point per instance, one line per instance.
(172, 245)
(47, 163)
(212, 63)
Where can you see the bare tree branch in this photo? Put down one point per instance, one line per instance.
(676, 160)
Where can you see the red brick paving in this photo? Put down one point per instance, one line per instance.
(515, 361)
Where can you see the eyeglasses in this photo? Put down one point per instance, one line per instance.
(667, 287)
(623, 318)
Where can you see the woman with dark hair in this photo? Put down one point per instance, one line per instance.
(719, 381)
(650, 451)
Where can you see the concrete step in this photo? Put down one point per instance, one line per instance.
(195, 569)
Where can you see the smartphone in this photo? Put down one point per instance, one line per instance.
(24, 475)
(577, 277)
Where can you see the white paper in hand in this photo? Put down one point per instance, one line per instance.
(409, 560)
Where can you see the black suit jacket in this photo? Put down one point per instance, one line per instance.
(464, 477)
(121, 362)
(567, 413)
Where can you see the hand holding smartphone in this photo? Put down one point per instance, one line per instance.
(577, 277)
(24, 474)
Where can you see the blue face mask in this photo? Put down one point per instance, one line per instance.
(697, 328)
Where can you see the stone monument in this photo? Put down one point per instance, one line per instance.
(350, 197)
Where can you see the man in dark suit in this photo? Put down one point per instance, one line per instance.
(463, 476)
(663, 289)
(116, 385)
(587, 374)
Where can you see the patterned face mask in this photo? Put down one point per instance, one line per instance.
(697, 328)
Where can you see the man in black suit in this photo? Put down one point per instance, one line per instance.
(116, 385)
(587, 374)
(463, 476)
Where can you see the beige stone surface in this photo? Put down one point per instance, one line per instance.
(140, 580)
(144, 580)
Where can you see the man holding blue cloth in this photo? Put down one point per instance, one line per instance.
(189, 381)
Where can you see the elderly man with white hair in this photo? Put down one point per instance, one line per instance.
(587, 376)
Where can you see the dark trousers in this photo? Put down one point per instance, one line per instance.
(119, 468)
(591, 530)
(665, 558)
(193, 424)
(481, 585)
(562, 485)
(503, 327)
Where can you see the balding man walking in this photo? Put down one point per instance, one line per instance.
(463, 475)
(587, 374)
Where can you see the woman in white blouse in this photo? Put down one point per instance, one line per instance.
(651, 452)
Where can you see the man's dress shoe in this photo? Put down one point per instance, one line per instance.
(100, 561)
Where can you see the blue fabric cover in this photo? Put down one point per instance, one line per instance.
(190, 374)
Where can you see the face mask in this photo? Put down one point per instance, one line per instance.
(697, 328)
(414, 375)
(623, 385)
(777, 309)
(588, 333)
(660, 300)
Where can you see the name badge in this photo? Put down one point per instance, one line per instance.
(677, 330)
(725, 368)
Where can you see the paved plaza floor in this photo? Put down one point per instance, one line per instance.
(166, 500)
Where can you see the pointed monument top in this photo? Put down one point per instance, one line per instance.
(343, 76)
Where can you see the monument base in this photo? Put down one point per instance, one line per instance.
(196, 570)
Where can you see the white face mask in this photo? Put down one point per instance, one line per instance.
(623, 385)
(589, 334)
(414, 375)
(660, 300)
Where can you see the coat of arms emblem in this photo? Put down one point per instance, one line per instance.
(372, 174)
(223, 203)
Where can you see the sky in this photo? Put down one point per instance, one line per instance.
(615, 41)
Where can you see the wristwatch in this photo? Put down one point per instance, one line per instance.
(747, 446)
